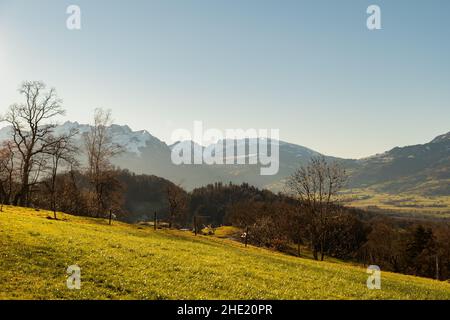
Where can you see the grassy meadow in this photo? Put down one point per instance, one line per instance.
(136, 262)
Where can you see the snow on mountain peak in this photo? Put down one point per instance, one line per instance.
(133, 141)
(123, 135)
(442, 138)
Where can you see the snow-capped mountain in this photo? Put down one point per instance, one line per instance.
(132, 141)
(420, 168)
(147, 154)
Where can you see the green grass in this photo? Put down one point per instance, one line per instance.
(228, 232)
(135, 262)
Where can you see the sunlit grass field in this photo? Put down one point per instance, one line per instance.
(136, 262)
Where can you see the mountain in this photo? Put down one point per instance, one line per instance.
(423, 169)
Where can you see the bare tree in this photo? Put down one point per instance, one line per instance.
(177, 200)
(316, 186)
(100, 149)
(62, 152)
(7, 173)
(31, 129)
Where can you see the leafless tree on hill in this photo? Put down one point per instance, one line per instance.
(32, 127)
(316, 185)
(100, 150)
(177, 201)
(62, 152)
(7, 173)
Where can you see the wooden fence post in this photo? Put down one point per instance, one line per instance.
(246, 236)
(195, 225)
(437, 267)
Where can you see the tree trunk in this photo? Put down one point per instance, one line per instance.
(16, 199)
(246, 236)
(21, 198)
(321, 251)
(23, 194)
(315, 255)
(437, 267)
(314, 247)
(195, 225)
(54, 205)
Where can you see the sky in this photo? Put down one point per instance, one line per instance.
(311, 69)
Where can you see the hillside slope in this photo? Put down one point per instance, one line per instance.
(135, 262)
(419, 169)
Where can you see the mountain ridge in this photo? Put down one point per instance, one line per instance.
(423, 168)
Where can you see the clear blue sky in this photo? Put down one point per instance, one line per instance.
(310, 68)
